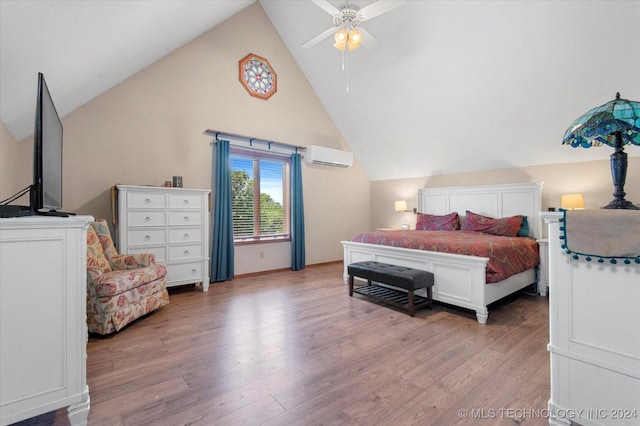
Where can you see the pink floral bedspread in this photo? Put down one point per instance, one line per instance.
(507, 255)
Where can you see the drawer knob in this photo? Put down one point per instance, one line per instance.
(194, 271)
(186, 252)
(147, 200)
(185, 219)
(186, 236)
(147, 219)
(147, 237)
(185, 202)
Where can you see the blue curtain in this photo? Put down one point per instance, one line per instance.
(297, 215)
(222, 242)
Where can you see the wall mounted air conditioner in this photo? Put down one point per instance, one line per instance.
(328, 157)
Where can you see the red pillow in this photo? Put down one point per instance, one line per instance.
(506, 227)
(430, 222)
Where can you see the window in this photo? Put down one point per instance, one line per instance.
(260, 196)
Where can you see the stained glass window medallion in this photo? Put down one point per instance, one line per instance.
(257, 76)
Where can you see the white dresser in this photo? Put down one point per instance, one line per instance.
(171, 223)
(594, 338)
(43, 325)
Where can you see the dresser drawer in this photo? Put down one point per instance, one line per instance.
(186, 201)
(137, 237)
(160, 253)
(177, 218)
(189, 252)
(184, 273)
(185, 235)
(140, 200)
(147, 218)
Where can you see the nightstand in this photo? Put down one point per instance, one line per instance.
(543, 267)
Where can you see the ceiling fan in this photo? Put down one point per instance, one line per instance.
(346, 23)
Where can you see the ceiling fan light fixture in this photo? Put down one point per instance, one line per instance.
(341, 38)
(355, 37)
(346, 39)
(349, 17)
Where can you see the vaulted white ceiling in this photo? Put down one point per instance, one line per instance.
(84, 48)
(456, 85)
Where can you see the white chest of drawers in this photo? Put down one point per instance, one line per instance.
(171, 223)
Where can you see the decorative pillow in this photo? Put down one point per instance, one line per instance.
(95, 255)
(506, 227)
(104, 235)
(524, 228)
(429, 222)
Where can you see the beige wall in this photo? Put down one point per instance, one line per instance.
(150, 127)
(591, 178)
(9, 166)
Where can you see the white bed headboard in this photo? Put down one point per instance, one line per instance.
(490, 200)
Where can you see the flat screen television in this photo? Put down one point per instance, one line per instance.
(47, 152)
(45, 194)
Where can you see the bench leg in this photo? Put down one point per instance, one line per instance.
(412, 306)
(429, 297)
(351, 285)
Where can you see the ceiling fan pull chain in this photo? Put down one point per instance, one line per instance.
(346, 54)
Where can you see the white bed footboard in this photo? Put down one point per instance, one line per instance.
(459, 280)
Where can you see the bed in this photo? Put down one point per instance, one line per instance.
(461, 280)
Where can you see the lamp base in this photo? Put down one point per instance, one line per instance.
(621, 204)
(619, 175)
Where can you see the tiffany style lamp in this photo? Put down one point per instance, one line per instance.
(616, 123)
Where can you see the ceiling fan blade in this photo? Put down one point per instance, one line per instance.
(379, 7)
(327, 7)
(369, 41)
(317, 39)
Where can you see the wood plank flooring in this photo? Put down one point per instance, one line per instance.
(292, 348)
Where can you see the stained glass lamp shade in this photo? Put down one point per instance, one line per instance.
(616, 123)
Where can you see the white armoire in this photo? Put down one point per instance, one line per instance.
(43, 326)
(594, 337)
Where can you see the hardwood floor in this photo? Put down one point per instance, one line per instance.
(292, 348)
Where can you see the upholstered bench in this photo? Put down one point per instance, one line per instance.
(402, 277)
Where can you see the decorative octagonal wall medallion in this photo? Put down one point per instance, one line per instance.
(257, 76)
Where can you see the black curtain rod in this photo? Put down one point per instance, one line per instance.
(223, 135)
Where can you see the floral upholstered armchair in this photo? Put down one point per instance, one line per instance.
(120, 287)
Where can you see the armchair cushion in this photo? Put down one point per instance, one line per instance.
(117, 282)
